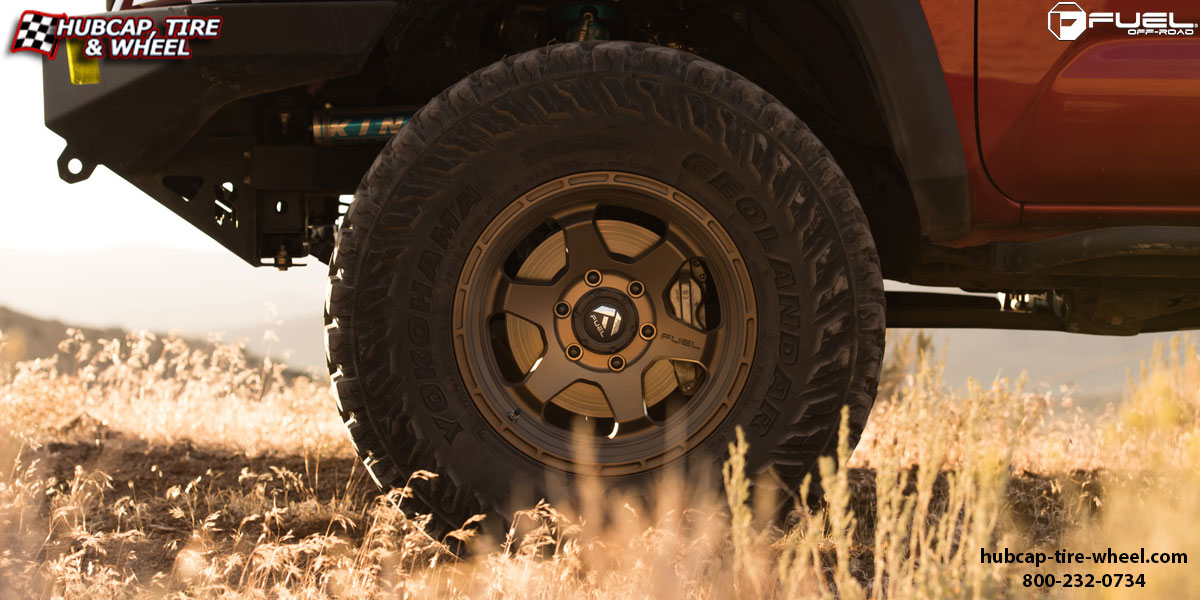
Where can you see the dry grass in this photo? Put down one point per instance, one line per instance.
(194, 474)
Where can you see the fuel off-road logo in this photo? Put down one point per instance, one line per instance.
(607, 321)
(1067, 21)
(113, 36)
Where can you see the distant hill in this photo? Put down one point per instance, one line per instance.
(157, 289)
(1096, 366)
(197, 292)
(26, 337)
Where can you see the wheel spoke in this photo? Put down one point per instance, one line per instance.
(553, 373)
(585, 247)
(658, 266)
(623, 391)
(533, 302)
(679, 342)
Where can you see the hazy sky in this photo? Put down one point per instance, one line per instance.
(103, 211)
(101, 252)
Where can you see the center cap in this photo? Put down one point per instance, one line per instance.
(605, 320)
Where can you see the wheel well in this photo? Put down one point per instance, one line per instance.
(804, 53)
(818, 71)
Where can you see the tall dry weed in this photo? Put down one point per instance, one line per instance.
(146, 468)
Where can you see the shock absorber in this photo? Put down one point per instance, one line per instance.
(588, 21)
(340, 127)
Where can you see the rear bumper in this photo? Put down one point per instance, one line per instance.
(144, 111)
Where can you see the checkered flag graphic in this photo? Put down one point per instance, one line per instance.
(36, 33)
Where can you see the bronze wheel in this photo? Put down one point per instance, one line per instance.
(599, 259)
(608, 304)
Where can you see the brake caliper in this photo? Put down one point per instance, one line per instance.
(687, 298)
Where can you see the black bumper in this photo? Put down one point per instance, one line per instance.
(143, 111)
(150, 120)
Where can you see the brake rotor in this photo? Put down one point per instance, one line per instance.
(525, 338)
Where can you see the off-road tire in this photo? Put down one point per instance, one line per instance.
(567, 108)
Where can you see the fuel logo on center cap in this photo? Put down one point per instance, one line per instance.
(606, 320)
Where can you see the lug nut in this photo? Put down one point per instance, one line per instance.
(562, 309)
(647, 332)
(616, 363)
(636, 288)
(574, 352)
(593, 278)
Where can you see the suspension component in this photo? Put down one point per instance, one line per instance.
(588, 21)
(333, 127)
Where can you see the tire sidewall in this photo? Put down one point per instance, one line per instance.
(772, 200)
